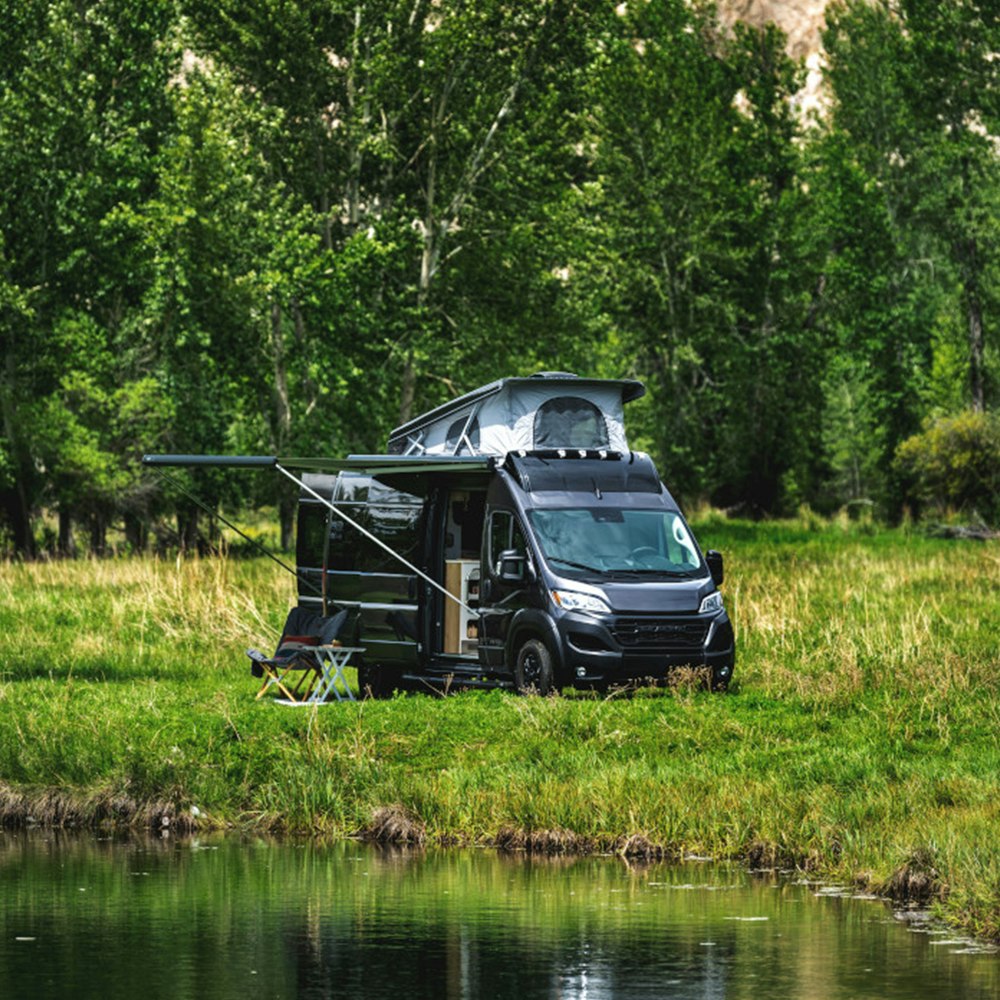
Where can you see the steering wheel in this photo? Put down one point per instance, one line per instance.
(642, 553)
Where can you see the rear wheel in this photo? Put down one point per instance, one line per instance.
(533, 669)
(377, 681)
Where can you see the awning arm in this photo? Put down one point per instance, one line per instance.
(378, 541)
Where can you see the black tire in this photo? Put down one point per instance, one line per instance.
(533, 669)
(376, 681)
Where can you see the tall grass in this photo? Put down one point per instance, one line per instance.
(861, 739)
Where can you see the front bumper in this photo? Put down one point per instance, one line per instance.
(620, 648)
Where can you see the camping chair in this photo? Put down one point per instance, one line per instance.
(298, 664)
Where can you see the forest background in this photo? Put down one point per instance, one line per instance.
(286, 226)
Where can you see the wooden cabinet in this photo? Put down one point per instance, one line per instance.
(461, 628)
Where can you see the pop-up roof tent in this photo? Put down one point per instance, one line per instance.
(547, 411)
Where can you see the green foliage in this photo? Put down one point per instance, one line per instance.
(712, 279)
(909, 179)
(954, 464)
(281, 227)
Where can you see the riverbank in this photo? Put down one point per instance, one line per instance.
(860, 740)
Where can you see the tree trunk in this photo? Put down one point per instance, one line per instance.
(281, 424)
(287, 504)
(19, 519)
(974, 313)
(67, 543)
(971, 268)
(282, 405)
(136, 533)
(408, 389)
(187, 529)
(18, 507)
(98, 534)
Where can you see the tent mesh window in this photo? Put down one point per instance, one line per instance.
(570, 422)
(455, 434)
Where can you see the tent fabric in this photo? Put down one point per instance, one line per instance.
(553, 413)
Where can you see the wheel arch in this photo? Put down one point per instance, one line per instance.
(533, 624)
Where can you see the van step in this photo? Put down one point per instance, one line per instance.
(455, 680)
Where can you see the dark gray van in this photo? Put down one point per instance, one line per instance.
(536, 570)
(508, 537)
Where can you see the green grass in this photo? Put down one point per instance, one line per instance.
(861, 739)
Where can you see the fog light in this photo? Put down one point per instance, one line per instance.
(723, 671)
(581, 671)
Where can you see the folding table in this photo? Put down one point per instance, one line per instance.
(330, 661)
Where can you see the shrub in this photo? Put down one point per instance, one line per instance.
(955, 463)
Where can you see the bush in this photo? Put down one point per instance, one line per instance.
(954, 463)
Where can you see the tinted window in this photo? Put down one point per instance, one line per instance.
(311, 535)
(570, 422)
(400, 527)
(604, 540)
(505, 533)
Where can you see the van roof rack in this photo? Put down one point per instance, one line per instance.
(540, 472)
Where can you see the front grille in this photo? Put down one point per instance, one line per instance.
(663, 634)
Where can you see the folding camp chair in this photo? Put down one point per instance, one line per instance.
(299, 665)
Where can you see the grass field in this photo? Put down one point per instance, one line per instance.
(860, 740)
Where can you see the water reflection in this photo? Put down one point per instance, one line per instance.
(227, 918)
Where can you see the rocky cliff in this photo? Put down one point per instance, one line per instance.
(802, 21)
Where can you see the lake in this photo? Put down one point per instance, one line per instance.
(225, 917)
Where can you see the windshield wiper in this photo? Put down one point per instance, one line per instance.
(576, 565)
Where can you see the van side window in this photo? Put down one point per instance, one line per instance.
(505, 533)
(393, 516)
(310, 537)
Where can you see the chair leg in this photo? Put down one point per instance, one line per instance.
(269, 679)
(273, 677)
(303, 688)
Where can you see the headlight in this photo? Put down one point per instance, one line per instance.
(570, 600)
(711, 603)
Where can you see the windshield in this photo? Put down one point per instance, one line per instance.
(600, 541)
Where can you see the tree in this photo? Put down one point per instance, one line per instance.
(405, 121)
(81, 101)
(698, 169)
(917, 96)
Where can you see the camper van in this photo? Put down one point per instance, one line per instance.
(512, 538)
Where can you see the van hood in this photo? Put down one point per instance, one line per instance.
(649, 597)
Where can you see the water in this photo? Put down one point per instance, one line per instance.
(82, 917)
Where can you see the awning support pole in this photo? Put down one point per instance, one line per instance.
(378, 541)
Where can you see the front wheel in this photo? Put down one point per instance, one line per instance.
(533, 670)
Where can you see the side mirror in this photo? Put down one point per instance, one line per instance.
(512, 566)
(715, 567)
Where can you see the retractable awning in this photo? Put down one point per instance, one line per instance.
(412, 473)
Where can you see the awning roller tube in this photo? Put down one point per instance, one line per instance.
(230, 461)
